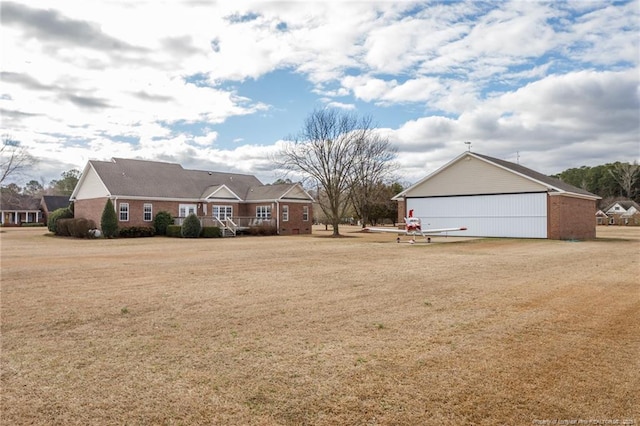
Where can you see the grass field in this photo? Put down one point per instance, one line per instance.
(319, 331)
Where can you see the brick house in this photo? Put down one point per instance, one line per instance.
(51, 203)
(497, 198)
(140, 189)
(623, 212)
(16, 209)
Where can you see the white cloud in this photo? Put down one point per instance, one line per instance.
(556, 82)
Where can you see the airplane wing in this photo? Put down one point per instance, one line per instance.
(424, 231)
(394, 230)
(437, 231)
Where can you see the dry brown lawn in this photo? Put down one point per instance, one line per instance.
(311, 330)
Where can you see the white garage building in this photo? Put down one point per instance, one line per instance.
(496, 198)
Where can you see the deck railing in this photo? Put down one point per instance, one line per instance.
(232, 224)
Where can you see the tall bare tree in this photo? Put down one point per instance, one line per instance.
(14, 159)
(627, 175)
(330, 150)
(373, 167)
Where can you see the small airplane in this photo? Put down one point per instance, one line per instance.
(413, 227)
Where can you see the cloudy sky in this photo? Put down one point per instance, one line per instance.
(220, 84)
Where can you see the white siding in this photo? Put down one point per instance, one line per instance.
(502, 215)
(92, 186)
(223, 194)
(473, 176)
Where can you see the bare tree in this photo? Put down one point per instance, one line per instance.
(373, 167)
(627, 176)
(330, 150)
(14, 159)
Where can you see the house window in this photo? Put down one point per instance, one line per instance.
(147, 214)
(185, 210)
(222, 212)
(285, 213)
(305, 213)
(263, 212)
(124, 212)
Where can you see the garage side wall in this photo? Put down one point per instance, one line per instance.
(571, 218)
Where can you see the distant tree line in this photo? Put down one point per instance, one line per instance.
(63, 186)
(611, 181)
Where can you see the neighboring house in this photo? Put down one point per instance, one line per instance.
(51, 203)
(497, 198)
(625, 212)
(16, 209)
(140, 189)
(601, 218)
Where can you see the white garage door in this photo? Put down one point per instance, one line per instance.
(504, 215)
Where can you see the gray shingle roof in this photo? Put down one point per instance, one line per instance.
(11, 201)
(267, 192)
(626, 204)
(141, 178)
(55, 202)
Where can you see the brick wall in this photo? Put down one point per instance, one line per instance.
(402, 210)
(90, 209)
(571, 218)
(136, 211)
(93, 208)
(295, 224)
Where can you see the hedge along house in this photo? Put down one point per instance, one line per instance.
(497, 198)
(140, 189)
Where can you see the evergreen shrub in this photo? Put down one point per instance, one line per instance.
(137, 232)
(211, 232)
(63, 213)
(191, 227)
(161, 221)
(75, 227)
(109, 221)
(174, 231)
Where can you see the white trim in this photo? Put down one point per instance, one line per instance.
(83, 176)
(223, 186)
(571, 194)
(144, 206)
(271, 200)
(128, 212)
(297, 185)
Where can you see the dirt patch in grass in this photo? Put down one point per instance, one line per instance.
(322, 331)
